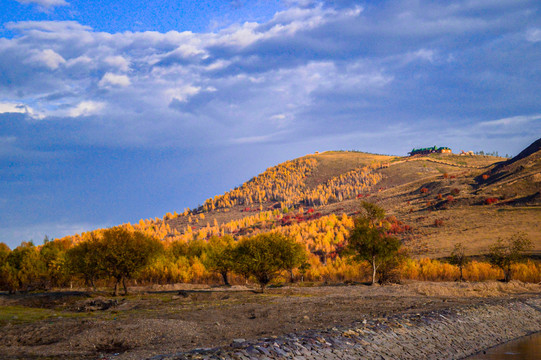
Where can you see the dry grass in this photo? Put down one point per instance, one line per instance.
(477, 227)
(475, 289)
(334, 163)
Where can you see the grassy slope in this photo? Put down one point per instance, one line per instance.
(334, 163)
(466, 219)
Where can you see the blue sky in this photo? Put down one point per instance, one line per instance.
(115, 111)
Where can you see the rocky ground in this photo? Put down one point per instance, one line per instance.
(439, 334)
(170, 322)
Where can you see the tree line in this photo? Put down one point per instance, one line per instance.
(122, 255)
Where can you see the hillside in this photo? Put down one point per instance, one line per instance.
(434, 201)
(516, 180)
(315, 181)
(455, 197)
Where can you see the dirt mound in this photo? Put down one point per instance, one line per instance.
(97, 304)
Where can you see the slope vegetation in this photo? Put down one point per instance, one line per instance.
(433, 202)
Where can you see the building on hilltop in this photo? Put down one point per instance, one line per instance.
(430, 150)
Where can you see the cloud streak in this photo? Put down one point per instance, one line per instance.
(45, 4)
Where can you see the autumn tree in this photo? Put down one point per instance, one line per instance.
(26, 267)
(266, 256)
(297, 258)
(4, 252)
(53, 255)
(220, 256)
(7, 274)
(369, 241)
(116, 252)
(506, 252)
(123, 253)
(459, 258)
(84, 259)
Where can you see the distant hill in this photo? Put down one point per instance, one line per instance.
(433, 201)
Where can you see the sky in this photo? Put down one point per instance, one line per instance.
(114, 111)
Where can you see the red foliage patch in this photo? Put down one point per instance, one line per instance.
(491, 200)
(397, 226)
(424, 190)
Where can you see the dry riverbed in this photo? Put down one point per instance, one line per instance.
(172, 319)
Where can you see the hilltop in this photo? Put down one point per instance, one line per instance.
(444, 198)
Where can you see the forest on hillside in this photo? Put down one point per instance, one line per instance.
(136, 254)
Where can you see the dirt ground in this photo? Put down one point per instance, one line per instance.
(169, 319)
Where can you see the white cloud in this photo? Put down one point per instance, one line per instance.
(181, 93)
(217, 65)
(13, 108)
(256, 139)
(115, 80)
(187, 50)
(86, 108)
(81, 60)
(510, 121)
(45, 3)
(424, 54)
(49, 58)
(54, 28)
(308, 64)
(10, 107)
(119, 62)
(533, 35)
